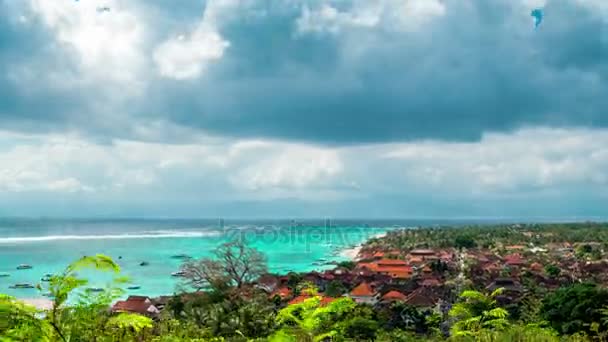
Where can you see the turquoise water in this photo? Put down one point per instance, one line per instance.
(49, 245)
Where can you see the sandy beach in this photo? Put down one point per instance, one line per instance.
(353, 253)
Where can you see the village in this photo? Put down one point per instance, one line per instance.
(430, 279)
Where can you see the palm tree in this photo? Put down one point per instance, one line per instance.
(477, 311)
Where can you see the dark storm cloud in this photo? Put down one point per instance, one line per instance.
(480, 67)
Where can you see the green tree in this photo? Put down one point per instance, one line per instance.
(359, 329)
(464, 241)
(575, 308)
(552, 271)
(310, 321)
(335, 289)
(476, 311)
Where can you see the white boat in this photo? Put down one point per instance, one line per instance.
(22, 286)
(178, 274)
(4, 275)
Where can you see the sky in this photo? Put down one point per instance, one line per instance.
(304, 108)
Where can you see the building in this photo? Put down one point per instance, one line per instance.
(393, 296)
(363, 294)
(136, 304)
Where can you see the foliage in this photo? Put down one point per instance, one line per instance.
(335, 289)
(575, 308)
(475, 312)
(552, 270)
(85, 319)
(312, 321)
(464, 241)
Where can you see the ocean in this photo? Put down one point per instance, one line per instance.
(48, 245)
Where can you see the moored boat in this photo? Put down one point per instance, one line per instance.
(144, 263)
(24, 267)
(22, 286)
(94, 289)
(4, 275)
(134, 287)
(181, 256)
(47, 277)
(178, 274)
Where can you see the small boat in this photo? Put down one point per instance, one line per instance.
(94, 289)
(24, 267)
(22, 286)
(134, 287)
(48, 294)
(181, 256)
(47, 277)
(144, 263)
(178, 274)
(4, 275)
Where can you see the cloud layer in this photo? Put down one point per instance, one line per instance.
(389, 107)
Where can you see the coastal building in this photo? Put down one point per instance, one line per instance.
(423, 298)
(136, 304)
(393, 296)
(363, 294)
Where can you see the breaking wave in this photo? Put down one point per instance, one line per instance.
(165, 234)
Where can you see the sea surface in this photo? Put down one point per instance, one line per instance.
(48, 245)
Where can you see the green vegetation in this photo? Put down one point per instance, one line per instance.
(232, 309)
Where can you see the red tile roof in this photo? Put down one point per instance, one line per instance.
(394, 295)
(135, 304)
(362, 290)
(391, 262)
(514, 260)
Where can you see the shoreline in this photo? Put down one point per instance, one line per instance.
(353, 253)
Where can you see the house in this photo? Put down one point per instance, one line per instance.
(421, 298)
(396, 269)
(430, 282)
(514, 260)
(393, 296)
(268, 283)
(363, 293)
(136, 304)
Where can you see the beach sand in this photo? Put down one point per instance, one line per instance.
(353, 253)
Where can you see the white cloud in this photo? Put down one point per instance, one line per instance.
(288, 167)
(393, 15)
(525, 162)
(528, 160)
(108, 44)
(187, 56)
